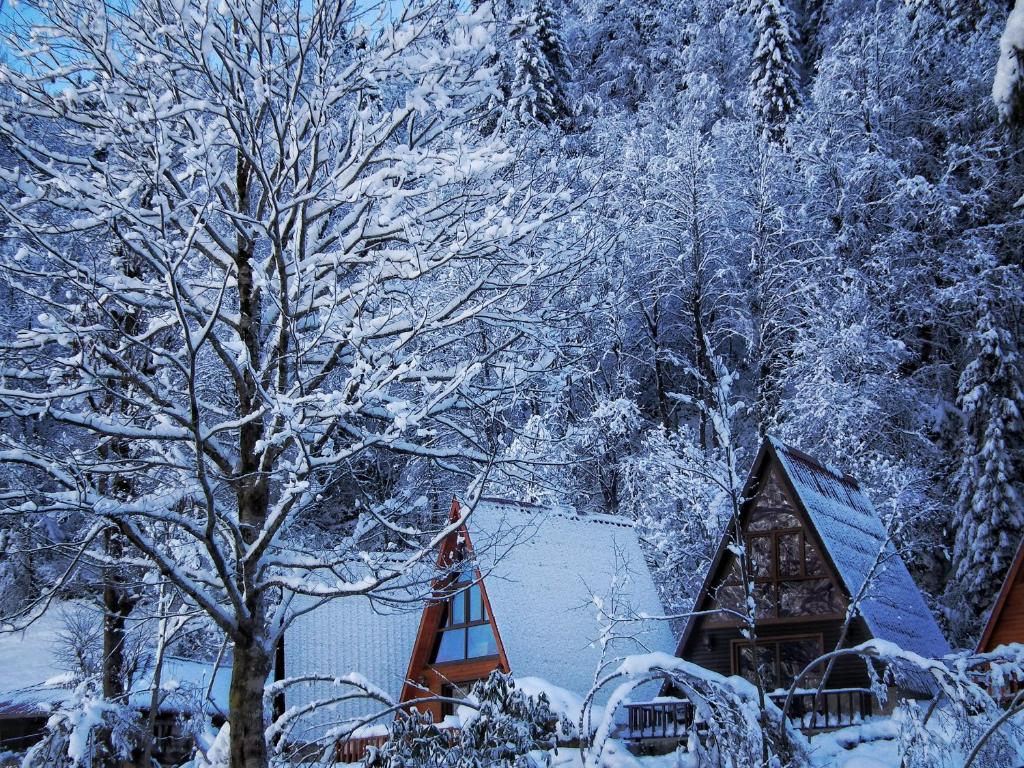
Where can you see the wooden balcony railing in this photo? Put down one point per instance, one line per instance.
(353, 750)
(809, 711)
(658, 720)
(833, 708)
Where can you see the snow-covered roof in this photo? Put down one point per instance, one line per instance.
(852, 532)
(543, 569)
(33, 681)
(347, 635)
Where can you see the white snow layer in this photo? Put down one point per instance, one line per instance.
(1009, 79)
(545, 571)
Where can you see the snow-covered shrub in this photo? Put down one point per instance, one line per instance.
(217, 753)
(742, 727)
(505, 726)
(86, 730)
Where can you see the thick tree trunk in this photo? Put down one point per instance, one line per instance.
(117, 605)
(251, 668)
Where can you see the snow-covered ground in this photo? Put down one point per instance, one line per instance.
(874, 744)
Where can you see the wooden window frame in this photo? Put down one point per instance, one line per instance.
(773, 580)
(776, 640)
(774, 535)
(465, 587)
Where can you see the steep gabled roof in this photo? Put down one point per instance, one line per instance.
(1013, 576)
(352, 634)
(543, 569)
(852, 532)
(852, 536)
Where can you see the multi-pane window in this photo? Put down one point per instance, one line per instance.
(780, 661)
(785, 567)
(466, 630)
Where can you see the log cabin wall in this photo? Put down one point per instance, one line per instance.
(714, 647)
(1009, 626)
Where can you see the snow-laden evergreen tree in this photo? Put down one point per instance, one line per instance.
(775, 70)
(1008, 86)
(538, 91)
(989, 519)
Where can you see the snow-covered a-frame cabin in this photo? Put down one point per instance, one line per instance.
(517, 593)
(814, 544)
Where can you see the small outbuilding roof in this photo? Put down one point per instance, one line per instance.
(34, 681)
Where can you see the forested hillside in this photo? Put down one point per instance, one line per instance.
(280, 279)
(807, 208)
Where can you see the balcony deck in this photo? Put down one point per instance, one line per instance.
(673, 719)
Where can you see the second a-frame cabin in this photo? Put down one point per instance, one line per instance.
(518, 596)
(814, 543)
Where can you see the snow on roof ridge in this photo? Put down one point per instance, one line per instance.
(598, 518)
(814, 463)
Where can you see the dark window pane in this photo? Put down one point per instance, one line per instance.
(789, 554)
(458, 608)
(794, 655)
(773, 495)
(765, 519)
(481, 641)
(812, 560)
(764, 600)
(812, 597)
(761, 519)
(730, 598)
(759, 550)
(732, 571)
(785, 520)
(766, 659)
(452, 646)
(476, 603)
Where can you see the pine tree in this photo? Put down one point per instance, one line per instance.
(546, 25)
(538, 92)
(990, 519)
(775, 71)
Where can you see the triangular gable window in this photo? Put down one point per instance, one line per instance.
(466, 631)
(786, 567)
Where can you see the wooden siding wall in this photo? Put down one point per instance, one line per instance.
(1008, 625)
(847, 673)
